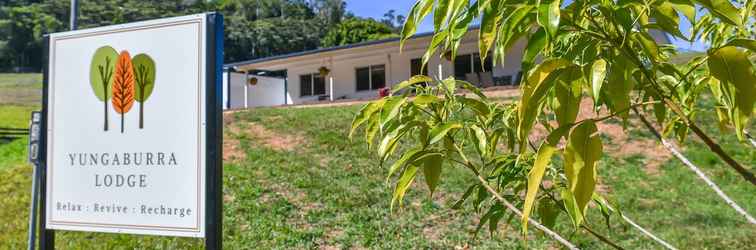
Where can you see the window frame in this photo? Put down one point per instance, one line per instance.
(474, 67)
(423, 70)
(370, 77)
(312, 85)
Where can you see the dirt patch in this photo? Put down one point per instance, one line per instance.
(273, 140)
(232, 151)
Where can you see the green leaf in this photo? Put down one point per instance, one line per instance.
(733, 69)
(438, 133)
(548, 17)
(478, 106)
(573, 210)
(743, 43)
(621, 82)
(403, 184)
(581, 156)
(432, 166)
(144, 74)
(667, 19)
(533, 92)
(489, 22)
(469, 87)
(412, 81)
(685, 7)
(440, 13)
(365, 113)
(723, 9)
(424, 99)
(536, 43)
(449, 86)
(421, 9)
(568, 93)
(480, 139)
(548, 212)
(468, 192)
(598, 73)
(101, 72)
(648, 44)
(408, 157)
(391, 108)
(543, 158)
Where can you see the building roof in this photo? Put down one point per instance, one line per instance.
(321, 50)
(349, 46)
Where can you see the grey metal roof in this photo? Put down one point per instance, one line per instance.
(341, 47)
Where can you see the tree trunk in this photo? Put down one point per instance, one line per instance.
(122, 118)
(141, 107)
(106, 106)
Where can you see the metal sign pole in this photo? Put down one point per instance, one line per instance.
(46, 236)
(74, 14)
(34, 131)
(214, 165)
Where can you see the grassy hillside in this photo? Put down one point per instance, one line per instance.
(293, 180)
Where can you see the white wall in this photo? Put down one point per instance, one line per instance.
(343, 62)
(268, 91)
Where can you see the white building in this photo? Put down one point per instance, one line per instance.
(358, 71)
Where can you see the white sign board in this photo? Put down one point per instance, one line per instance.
(126, 148)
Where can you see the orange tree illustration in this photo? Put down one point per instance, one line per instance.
(101, 76)
(599, 52)
(123, 86)
(144, 68)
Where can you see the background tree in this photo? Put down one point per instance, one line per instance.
(393, 20)
(356, 30)
(254, 28)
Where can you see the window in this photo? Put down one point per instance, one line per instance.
(518, 79)
(503, 80)
(370, 78)
(311, 84)
(487, 65)
(470, 63)
(415, 66)
(462, 66)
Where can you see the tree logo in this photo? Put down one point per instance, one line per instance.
(121, 80)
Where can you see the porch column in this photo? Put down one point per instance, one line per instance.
(246, 85)
(330, 88)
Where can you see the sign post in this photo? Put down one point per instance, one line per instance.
(34, 136)
(132, 128)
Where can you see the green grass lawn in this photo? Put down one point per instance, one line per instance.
(20, 89)
(298, 182)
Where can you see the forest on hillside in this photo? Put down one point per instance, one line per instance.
(253, 28)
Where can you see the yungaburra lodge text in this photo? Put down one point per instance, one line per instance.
(136, 159)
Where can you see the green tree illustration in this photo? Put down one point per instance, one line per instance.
(101, 76)
(144, 68)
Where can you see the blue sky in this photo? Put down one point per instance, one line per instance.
(376, 9)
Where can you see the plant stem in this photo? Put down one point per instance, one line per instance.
(695, 169)
(601, 237)
(531, 221)
(644, 231)
(700, 133)
(750, 139)
(675, 108)
(511, 207)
